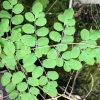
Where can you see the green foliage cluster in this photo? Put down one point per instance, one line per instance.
(24, 36)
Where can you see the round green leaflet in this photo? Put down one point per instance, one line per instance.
(1, 65)
(25, 50)
(28, 96)
(75, 52)
(43, 80)
(34, 91)
(16, 79)
(75, 64)
(29, 59)
(50, 90)
(41, 21)
(70, 22)
(4, 14)
(38, 52)
(53, 83)
(22, 86)
(49, 63)
(17, 19)
(18, 98)
(18, 8)
(29, 16)
(43, 41)
(69, 30)
(66, 66)
(41, 14)
(67, 39)
(61, 17)
(85, 34)
(13, 2)
(66, 55)
(55, 36)
(37, 72)
(13, 94)
(28, 40)
(7, 5)
(29, 68)
(15, 35)
(5, 79)
(9, 46)
(45, 50)
(43, 31)
(35, 6)
(61, 47)
(52, 54)
(10, 87)
(33, 81)
(58, 26)
(53, 75)
(28, 28)
(59, 62)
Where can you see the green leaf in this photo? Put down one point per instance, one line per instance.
(18, 8)
(70, 22)
(43, 80)
(17, 19)
(33, 81)
(5, 79)
(67, 55)
(15, 35)
(9, 46)
(22, 86)
(28, 40)
(49, 63)
(84, 56)
(50, 90)
(10, 87)
(67, 39)
(1, 65)
(19, 56)
(91, 43)
(43, 31)
(34, 91)
(52, 54)
(18, 98)
(38, 52)
(37, 72)
(75, 64)
(67, 67)
(55, 36)
(85, 34)
(10, 62)
(28, 96)
(43, 41)
(53, 83)
(45, 50)
(16, 79)
(25, 50)
(75, 52)
(53, 75)
(4, 14)
(29, 59)
(94, 34)
(97, 52)
(29, 68)
(35, 6)
(61, 47)
(68, 14)
(13, 2)
(13, 94)
(61, 17)
(58, 26)
(93, 53)
(29, 16)
(41, 21)
(28, 28)
(69, 31)
(7, 5)
(59, 62)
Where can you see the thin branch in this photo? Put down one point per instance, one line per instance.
(91, 87)
(70, 3)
